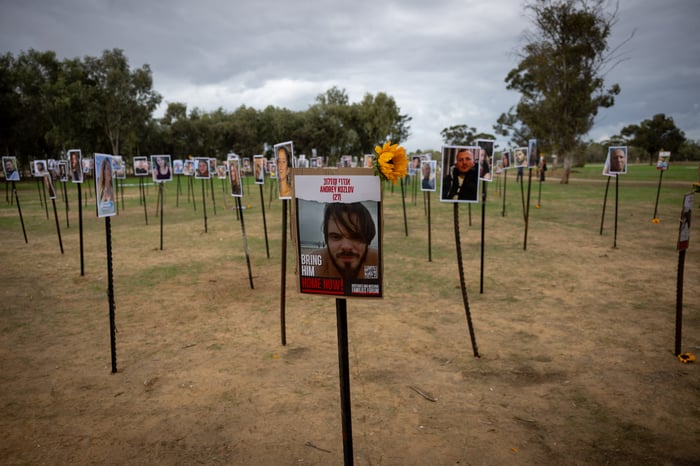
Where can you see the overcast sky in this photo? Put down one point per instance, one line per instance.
(443, 61)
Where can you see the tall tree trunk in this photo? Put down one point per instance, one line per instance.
(568, 163)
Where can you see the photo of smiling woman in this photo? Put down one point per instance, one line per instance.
(104, 186)
(162, 170)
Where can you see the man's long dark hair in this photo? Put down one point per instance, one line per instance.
(353, 218)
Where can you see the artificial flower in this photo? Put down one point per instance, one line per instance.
(391, 162)
(686, 357)
(655, 221)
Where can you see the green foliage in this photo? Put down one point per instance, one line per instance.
(560, 74)
(101, 104)
(658, 133)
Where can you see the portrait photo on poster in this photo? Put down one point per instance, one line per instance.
(485, 158)
(284, 154)
(662, 161)
(338, 220)
(178, 166)
(201, 168)
(505, 159)
(104, 186)
(9, 167)
(617, 159)
(259, 168)
(533, 153)
(188, 167)
(520, 157)
(88, 165)
(460, 179)
(234, 175)
(75, 165)
(118, 167)
(140, 166)
(428, 174)
(40, 168)
(62, 171)
(162, 170)
(50, 190)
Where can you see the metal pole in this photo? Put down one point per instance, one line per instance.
(344, 370)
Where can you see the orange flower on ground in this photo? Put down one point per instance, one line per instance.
(391, 162)
(655, 221)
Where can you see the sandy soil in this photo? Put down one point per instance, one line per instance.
(575, 339)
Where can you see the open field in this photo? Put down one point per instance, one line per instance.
(576, 337)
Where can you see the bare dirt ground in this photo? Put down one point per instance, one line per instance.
(576, 342)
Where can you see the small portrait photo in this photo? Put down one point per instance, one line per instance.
(221, 172)
(303, 162)
(272, 169)
(188, 167)
(40, 168)
(234, 175)
(48, 183)
(9, 167)
(162, 170)
(505, 159)
(202, 170)
(51, 165)
(62, 170)
(119, 167)
(104, 186)
(75, 165)
(617, 157)
(346, 161)
(88, 165)
(414, 166)
(533, 153)
(140, 166)
(428, 170)
(662, 162)
(319, 162)
(178, 166)
(485, 158)
(368, 161)
(259, 169)
(212, 166)
(246, 168)
(460, 174)
(284, 154)
(520, 157)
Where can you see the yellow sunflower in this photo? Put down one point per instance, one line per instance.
(391, 162)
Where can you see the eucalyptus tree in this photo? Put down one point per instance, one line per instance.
(560, 75)
(122, 99)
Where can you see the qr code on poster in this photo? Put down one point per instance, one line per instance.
(371, 271)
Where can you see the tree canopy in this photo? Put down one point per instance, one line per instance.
(655, 134)
(102, 104)
(560, 75)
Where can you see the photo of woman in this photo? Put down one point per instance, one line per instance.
(162, 170)
(104, 186)
(283, 157)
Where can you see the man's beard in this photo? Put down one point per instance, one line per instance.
(346, 269)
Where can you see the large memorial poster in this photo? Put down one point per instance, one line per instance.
(338, 217)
